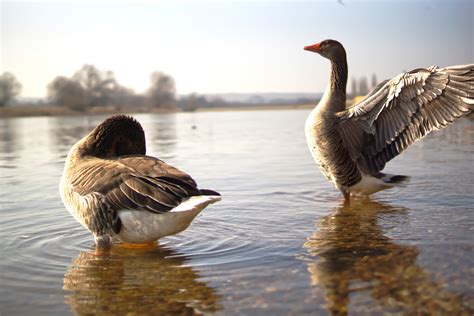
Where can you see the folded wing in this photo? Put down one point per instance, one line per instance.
(135, 183)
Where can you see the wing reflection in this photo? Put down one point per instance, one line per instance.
(359, 269)
(152, 281)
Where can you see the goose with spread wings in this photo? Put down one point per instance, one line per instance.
(352, 145)
(118, 193)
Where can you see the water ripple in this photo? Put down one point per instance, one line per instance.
(245, 254)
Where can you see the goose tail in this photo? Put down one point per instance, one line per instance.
(209, 192)
(142, 227)
(370, 184)
(394, 179)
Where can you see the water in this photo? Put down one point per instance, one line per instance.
(281, 242)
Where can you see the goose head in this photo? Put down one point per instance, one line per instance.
(330, 49)
(118, 135)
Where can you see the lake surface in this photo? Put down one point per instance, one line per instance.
(281, 241)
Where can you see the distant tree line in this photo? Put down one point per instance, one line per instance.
(194, 101)
(9, 88)
(90, 87)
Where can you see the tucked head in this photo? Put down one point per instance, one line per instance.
(118, 135)
(329, 49)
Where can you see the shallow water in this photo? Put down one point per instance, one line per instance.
(281, 242)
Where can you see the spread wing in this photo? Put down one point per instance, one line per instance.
(134, 182)
(404, 109)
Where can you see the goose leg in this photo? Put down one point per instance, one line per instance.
(347, 195)
(103, 242)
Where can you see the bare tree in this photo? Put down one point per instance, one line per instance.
(162, 91)
(9, 88)
(99, 87)
(68, 93)
(88, 87)
(123, 97)
(88, 77)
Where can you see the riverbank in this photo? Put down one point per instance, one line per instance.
(25, 111)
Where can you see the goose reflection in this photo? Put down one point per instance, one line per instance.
(153, 281)
(360, 270)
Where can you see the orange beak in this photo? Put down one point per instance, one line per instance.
(316, 48)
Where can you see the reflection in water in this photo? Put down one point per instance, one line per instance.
(160, 131)
(152, 281)
(244, 250)
(161, 135)
(66, 131)
(362, 270)
(7, 142)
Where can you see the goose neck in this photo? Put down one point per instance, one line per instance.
(338, 80)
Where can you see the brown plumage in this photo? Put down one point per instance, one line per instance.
(117, 192)
(353, 145)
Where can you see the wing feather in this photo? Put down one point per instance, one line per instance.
(135, 182)
(403, 110)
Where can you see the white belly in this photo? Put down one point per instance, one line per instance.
(368, 185)
(142, 226)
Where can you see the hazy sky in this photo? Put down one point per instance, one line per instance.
(223, 46)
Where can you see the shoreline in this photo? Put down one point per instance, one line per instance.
(35, 111)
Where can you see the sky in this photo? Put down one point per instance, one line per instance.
(229, 46)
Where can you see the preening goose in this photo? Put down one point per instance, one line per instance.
(352, 146)
(118, 193)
